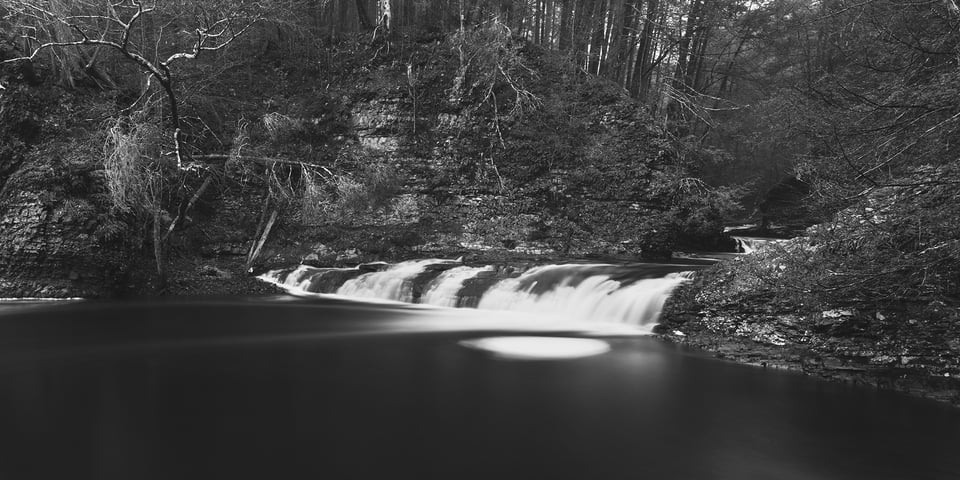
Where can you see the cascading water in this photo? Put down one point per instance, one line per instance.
(596, 297)
(624, 294)
(394, 283)
(305, 278)
(444, 290)
(746, 243)
(752, 244)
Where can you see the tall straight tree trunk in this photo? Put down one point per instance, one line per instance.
(683, 50)
(614, 37)
(645, 50)
(598, 42)
(658, 69)
(693, 80)
(566, 18)
(631, 30)
(586, 30)
(384, 14)
(697, 70)
(518, 20)
(538, 23)
(548, 34)
(583, 19)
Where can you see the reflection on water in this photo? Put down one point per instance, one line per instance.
(20, 303)
(291, 389)
(538, 348)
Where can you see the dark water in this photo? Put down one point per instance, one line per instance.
(289, 389)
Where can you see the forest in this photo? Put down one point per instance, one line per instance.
(854, 103)
(480, 239)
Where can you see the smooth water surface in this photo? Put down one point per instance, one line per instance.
(293, 389)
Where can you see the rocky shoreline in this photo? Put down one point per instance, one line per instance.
(906, 351)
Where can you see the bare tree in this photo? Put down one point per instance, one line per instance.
(151, 34)
(62, 26)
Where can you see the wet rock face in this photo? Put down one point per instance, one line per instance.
(52, 251)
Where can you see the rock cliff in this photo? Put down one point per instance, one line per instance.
(384, 153)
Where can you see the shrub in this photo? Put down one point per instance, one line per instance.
(280, 127)
(337, 197)
(131, 148)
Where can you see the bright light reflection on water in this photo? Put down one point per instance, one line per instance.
(539, 348)
(311, 388)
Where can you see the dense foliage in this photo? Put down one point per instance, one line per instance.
(868, 107)
(860, 100)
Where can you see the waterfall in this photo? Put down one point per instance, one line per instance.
(752, 244)
(394, 283)
(624, 294)
(305, 278)
(744, 245)
(444, 290)
(595, 297)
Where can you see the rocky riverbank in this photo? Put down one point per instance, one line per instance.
(914, 348)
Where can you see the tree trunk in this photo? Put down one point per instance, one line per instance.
(631, 31)
(683, 50)
(538, 22)
(597, 42)
(384, 15)
(695, 73)
(548, 34)
(566, 17)
(261, 239)
(657, 70)
(614, 38)
(583, 19)
(363, 15)
(641, 70)
(158, 250)
(193, 200)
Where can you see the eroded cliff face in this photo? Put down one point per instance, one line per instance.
(404, 154)
(52, 250)
(585, 173)
(56, 239)
(455, 199)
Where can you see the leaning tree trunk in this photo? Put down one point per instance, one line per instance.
(158, 250)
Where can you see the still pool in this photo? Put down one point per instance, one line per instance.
(281, 388)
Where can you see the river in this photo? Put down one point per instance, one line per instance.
(326, 387)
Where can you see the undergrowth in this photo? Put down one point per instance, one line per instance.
(897, 244)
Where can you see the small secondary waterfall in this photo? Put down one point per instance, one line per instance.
(752, 244)
(626, 294)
